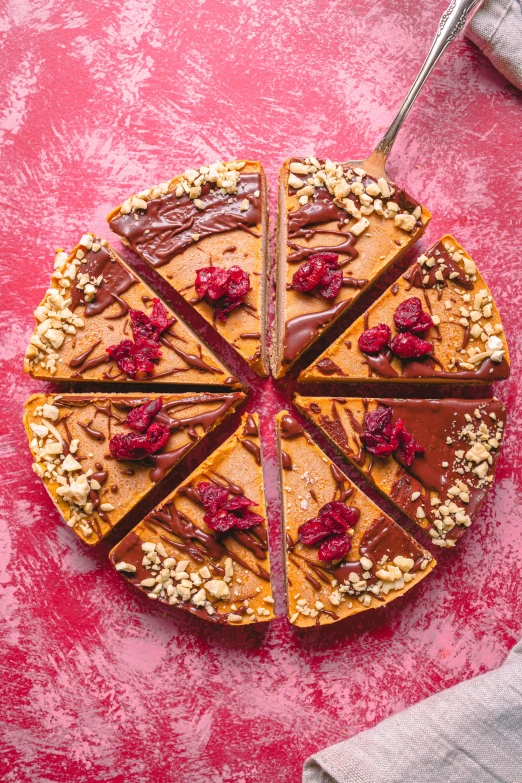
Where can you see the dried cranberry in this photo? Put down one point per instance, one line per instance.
(425, 322)
(330, 260)
(226, 513)
(157, 436)
(159, 316)
(222, 521)
(143, 352)
(132, 446)
(224, 288)
(237, 501)
(249, 519)
(212, 496)
(378, 436)
(408, 446)
(381, 438)
(140, 418)
(331, 283)
(409, 346)
(309, 274)
(375, 339)
(211, 281)
(141, 325)
(335, 547)
(136, 446)
(312, 532)
(349, 514)
(238, 284)
(410, 316)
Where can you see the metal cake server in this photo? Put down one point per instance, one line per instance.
(450, 25)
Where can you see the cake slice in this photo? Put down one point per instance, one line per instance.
(436, 323)
(99, 454)
(206, 232)
(435, 459)
(343, 555)
(99, 322)
(205, 548)
(339, 229)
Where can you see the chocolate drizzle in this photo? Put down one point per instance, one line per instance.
(290, 427)
(327, 367)
(171, 222)
(81, 358)
(319, 211)
(386, 539)
(443, 263)
(302, 329)
(116, 280)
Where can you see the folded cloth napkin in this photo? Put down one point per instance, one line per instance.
(471, 733)
(496, 28)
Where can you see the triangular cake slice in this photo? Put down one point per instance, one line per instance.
(343, 555)
(205, 548)
(98, 455)
(436, 323)
(97, 302)
(435, 459)
(206, 233)
(339, 229)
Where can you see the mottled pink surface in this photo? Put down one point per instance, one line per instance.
(100, 99)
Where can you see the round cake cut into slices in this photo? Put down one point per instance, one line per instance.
(205, 548)
(98, 455)
(339, 229)
(434, 459)
(343, 555)
(99, 321)
(206, 233)
(438, 323)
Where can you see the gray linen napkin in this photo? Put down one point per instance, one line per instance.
(471, 733)
(496, 28)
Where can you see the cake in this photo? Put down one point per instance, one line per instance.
(206, 233)
(438, 323)
(99, 454)
(339, 229)
(434, 459)
(205, 548)
(343, 555)
(99, 322)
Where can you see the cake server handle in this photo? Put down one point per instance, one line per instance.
(450, 25)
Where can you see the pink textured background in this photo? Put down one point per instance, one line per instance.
(99, 99)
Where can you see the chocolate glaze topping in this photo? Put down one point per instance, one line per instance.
(431, 422)
(299, 331)
(116, 280)
(384, 537)
(171, 221)
(444, 263)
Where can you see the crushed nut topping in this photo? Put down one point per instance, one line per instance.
(174, 582)
(55, 319)
(223, 176)
(52, 465)
(473, 465)
(343, 183)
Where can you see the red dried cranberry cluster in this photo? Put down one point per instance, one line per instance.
(321, 272)
(135, 359)
(330, 527)
(409, 319)
(225, 513)
(224, 289)
(150, 436)
(382, 438)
